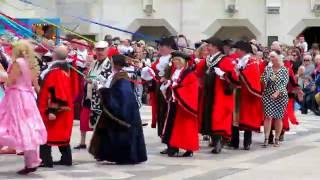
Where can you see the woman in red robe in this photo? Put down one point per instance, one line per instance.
(201, 55)
(181, 126)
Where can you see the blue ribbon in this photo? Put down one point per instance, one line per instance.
(135, 34)
(22, 30)
(17, 27)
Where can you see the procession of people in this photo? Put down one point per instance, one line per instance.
(210, 91)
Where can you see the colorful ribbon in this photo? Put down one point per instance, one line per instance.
(98, 23)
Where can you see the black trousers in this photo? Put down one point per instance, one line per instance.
(46, 154)
(236, 137)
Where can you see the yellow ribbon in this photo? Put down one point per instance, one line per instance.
(67, 30)
(55, 25)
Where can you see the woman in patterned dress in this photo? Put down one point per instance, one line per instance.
(275, 96)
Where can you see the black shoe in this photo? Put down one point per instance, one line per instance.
(205, 138)
(281, 138)
(217, 147)
(173, 152)
(187, 154)
(144, 124)
(271, 138)
(246, 147)
(165, 151)
(61, 163)
(80, 146)
(270, 141)
(42, 165)
(26, 171)
(230, 145)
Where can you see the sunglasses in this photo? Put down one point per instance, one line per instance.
(306, 60)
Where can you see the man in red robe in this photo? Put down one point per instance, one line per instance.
(250, 96)
(218, 101)
(162, 72)
(55, 103)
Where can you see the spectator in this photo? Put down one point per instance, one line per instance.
(182, 42)
(317, 84)
(317, 65)
(308, 65)
(300, 76)
(297, 60)
(125, 47)
(302, 44)
(314, 51)
(308, 89)
(108, 38)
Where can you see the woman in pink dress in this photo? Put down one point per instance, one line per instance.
(21, 125)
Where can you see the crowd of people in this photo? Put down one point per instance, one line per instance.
(210, 90)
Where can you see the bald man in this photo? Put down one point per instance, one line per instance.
(55, 102)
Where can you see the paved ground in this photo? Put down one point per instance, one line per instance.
(297, 158)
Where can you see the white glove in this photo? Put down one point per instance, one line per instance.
(219, 72)
(69, 60)
(99, 86)
(161, 73)
(239, 65)
(80, 64)
(165, 86)
(147, 73)
(101, 79)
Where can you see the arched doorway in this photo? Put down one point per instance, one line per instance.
(236, 29)
(235, 33)
(311, 35)
(151, 28)
(152, 32)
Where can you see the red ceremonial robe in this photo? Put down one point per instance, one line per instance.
(251, 109)
(223, 105)
(153, 98)
(184, 133)
(56, 97)
(293, 86)
(157, 101)
(200, 72)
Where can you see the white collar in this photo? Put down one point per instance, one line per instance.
(55, 61)
(165, 58)
(245, 57)
(216, 54)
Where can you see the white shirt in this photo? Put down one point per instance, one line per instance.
(175, 77)
(82, 58)
(242, 62)
(125, 49)
(163, 63)
(304, 45)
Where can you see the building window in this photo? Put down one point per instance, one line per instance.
(272, 39)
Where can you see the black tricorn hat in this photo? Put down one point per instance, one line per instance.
(228, 42)
(181, 55)
(244, 46)
(214, 41)
(168, 41)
